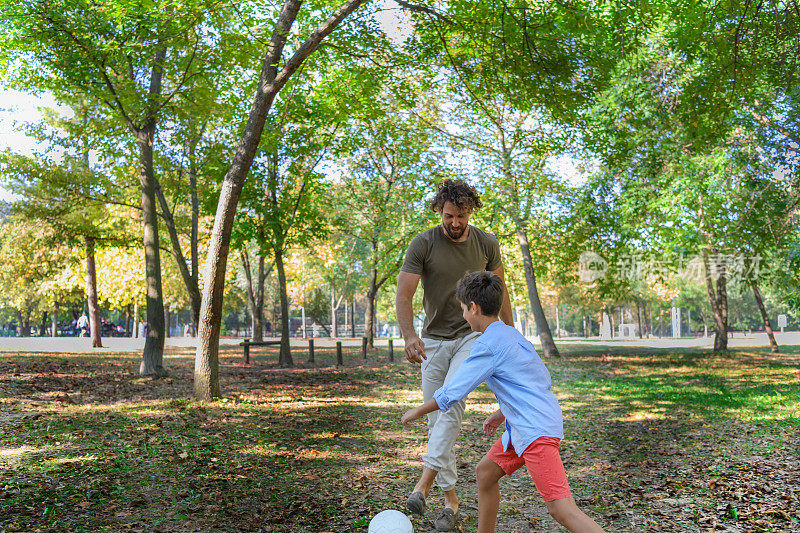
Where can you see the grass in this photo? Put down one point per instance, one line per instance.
(656, 440)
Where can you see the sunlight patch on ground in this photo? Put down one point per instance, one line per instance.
(16, 453)
(484, 408)
(69, 460)
(274, 449)
(639, 416)
(294, 402)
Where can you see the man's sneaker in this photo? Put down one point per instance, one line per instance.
(416, 503)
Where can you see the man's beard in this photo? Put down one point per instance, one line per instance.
(454, 233)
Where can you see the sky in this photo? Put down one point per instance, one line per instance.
(16, 109)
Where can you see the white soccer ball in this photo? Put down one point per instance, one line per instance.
(390, 521)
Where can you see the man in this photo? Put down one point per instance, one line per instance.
(83, 325)
(440, 257)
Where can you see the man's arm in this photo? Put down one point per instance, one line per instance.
(506, 314)
(406, 287)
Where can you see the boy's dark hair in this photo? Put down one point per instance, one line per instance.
(484, 288)
(460, 193)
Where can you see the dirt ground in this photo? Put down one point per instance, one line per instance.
(655, 440)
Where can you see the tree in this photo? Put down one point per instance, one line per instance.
(49, 192)
(255, 279)
(122, 285)
(690, 179)
(146, 54)
(510, 149)
(281, 206)
(194, 144)
(515, 75)
(271, 81)
(390, 164)
(31, 257)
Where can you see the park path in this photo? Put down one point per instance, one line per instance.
(116, 344)
(124, 344)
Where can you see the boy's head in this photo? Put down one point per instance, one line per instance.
(482, 288)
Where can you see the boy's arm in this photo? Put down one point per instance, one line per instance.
(412, 414)
(472, 372)
(492, 422)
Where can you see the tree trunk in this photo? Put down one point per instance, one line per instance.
(54, 321)
(334, 325)
(259, 300)
(206, 373)
(353, 317)
(152, 364)
(257, 323)
(25, 330)
(193, 242)
(189, 277)
(719, 304)
(639, 323)
(255, 293)
(767, 326)
(369, 312)
(285, 357)
(91, 292)
(610, 316)
(166, 323)
(545, 337)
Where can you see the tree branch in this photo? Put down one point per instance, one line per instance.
(425, 10)
(768, 122)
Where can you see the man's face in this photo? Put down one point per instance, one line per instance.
(454, 221)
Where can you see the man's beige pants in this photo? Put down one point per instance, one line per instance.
(443, 359)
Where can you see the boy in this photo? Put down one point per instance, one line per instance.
(509, 364)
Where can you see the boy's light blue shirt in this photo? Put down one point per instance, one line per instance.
(509, 364)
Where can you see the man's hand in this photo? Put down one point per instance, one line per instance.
(493, 422)
(415, 350)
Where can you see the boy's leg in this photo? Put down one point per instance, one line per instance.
(547, 470)
(488, 474)
(566, 513)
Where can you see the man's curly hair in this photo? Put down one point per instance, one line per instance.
(459, 193)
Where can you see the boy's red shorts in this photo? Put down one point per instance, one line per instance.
(543, 462)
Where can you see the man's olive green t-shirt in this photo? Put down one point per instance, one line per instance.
(441, 262)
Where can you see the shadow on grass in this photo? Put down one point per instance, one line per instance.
(184, 466)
